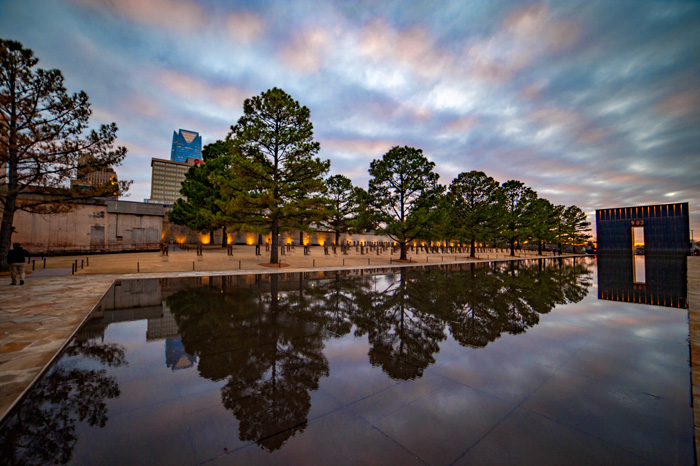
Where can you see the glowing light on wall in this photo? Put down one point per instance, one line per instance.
(322, 242)
(249, 239)
(180, 239)
(289, 240)
(204, 239)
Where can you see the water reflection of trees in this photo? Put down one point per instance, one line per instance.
(266, 340)
(482, 303)
(41, 430)
(400, 325)
(258, 341)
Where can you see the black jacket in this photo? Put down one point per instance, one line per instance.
(17, 256)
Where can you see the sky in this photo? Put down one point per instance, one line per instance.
(594, 104)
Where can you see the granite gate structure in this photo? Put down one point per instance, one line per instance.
(653, 229)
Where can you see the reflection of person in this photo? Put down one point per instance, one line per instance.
(15, 258)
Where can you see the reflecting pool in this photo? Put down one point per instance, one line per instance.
(532, 362)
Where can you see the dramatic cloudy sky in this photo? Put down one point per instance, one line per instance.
(589, 103)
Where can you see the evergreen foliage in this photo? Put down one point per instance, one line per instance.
(403, 194)
(516, 200)
(276, 182)
(342, 197)
(199, 210)
(42, 145)
(475, 213)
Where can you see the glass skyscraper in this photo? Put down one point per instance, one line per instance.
(186, 144)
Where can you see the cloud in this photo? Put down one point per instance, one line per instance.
(414, 49)
(144, 105)
(536, 24)
(175, 15)
(244, 27)
(189, 88)
(306, 51)
(460, 125)
(351, 147)
(526, 35)
(554, 120)
(533, 91)
(683, 103)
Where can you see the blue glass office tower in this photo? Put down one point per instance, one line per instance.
(186, 144)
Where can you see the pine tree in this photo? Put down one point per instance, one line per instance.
(276, 182)
(404, 193)
(42, 146)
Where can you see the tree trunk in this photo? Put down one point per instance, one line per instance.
(539, 248)
(472, 246)
(211, 237)
(301, 238)
(274, 243)
(512, 248)
(224, 239)
(8, 216)
(337, 237)
(403, 250)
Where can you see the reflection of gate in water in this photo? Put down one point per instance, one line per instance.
(661, 281)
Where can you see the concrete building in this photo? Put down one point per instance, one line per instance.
(166, 179)
(186, 144)
(95, 225)
(87, 178)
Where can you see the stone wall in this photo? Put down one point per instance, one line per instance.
(100, 225)
(107, 225)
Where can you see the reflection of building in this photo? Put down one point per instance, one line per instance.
(166, 179)
(165, 327)
(644, 229)
(186, 144)
(660, 281)
(176, 357)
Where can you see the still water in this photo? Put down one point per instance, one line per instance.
(534, 362)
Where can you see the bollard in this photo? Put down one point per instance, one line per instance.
(343, 261)
(239, 265)
(81, 264)
(72, 269)
(32, 264)
(193, 266)
(87, 262)
(44, 262)
(314, 262)
(367, 261)
(138, 267)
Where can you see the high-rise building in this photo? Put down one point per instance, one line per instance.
(89, 177)
(167, 177)
(186, 144)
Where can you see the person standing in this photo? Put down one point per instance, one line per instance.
(15, 258)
